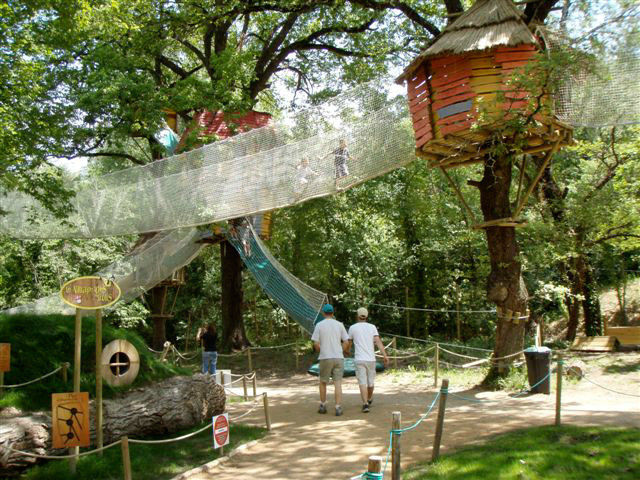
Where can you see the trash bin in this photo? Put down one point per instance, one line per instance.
(539, 367)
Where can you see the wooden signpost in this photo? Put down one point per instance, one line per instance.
(5, 361)
(89, 293)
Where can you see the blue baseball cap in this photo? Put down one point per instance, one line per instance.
(328, 308)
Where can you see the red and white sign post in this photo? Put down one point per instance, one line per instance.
(221, 430)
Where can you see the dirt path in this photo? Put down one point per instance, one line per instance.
(307, 445)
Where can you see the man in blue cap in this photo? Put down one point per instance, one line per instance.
(331, 340)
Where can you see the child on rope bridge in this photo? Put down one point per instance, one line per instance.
(341, 156)
(304, 175)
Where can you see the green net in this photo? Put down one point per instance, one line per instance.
(301, 302)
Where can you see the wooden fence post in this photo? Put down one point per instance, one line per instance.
(255, 384)
(244, 387)
(77, 357)
(65, 367)
(250, 360)
(559, 389)
(98, 413)
(267, 418)
(375, 464)
(437, 365)
(437, 439)
(395, 446)
(394, 346)
(297, 358)
(126, 458)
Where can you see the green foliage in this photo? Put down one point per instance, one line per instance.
(31, 269)
(553, 453)
(148, 462)
(39, 344)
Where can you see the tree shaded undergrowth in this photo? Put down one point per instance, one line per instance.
(552, 453)
(39, 344)
(148, 462)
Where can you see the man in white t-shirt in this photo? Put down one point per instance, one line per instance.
(364, 336)
(331, 340)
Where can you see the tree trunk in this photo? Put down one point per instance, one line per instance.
(505, 286)
(157, 303)
(591, 302)
(571, 300)
(233, 331)
(163, 408)
(27, 432)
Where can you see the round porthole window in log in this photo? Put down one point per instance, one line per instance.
(120, 363)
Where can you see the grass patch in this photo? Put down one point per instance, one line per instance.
(39, 344)
(552, 453)
(148, 462)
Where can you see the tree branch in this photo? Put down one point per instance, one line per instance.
(174, 67)
(611, 169)
(407, 10)
(537, 12)
(133, 159)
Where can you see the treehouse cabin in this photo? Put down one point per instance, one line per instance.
(478, 77)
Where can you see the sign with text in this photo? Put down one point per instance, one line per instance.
(220, 430)
(5, 357)
(70, 419)
(90, 293)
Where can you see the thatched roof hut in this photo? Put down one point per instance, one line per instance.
(468, 69)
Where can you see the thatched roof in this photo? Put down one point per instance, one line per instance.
(487, 24)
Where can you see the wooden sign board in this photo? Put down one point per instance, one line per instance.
(221, 430)
(5, 357)
(90, 293)
(70, 419)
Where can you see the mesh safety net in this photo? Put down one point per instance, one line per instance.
(144, 267)
(601, 87)
(319, 151)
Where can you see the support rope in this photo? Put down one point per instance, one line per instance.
(61, 457)
(18, 385)
(609, 389)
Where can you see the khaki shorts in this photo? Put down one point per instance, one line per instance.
(331, 368)
(366, 373)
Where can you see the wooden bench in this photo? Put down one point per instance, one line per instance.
(602, 343)
(625, 335)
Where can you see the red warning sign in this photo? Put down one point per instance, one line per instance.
(220, 430)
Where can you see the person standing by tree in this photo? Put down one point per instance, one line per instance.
(209, 338)
(364, 336)
(331, 340)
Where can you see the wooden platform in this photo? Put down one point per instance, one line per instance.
(627, 336)
(602, 343)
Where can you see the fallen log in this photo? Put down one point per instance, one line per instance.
(161, 408)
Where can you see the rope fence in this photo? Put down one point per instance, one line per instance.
(125, 441)
(35, 380)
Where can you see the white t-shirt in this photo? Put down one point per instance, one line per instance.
(362, 334)
(330, 334)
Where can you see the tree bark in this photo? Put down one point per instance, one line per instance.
(157, 303)
(571, 299)
(505, 286)
(162, 408)
(233, 330)
(23, 431)
(591, 302)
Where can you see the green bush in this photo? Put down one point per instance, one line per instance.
(39, 344)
